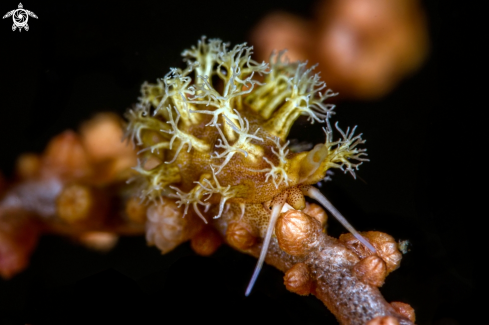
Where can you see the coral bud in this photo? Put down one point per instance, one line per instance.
(383, 320)
(318, 213)
(135, 210)
(298, 279)
(78, 203)
(296, 199)
(371, 270)
(65, 156)
(385, 245)
(166, 228)
(387, 249)
(296, 232)
(239, 236)
(404, 310)
(27, 166)
(101, 136)
(206, 241)
(99, 241)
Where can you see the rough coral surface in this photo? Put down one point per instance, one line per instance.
(214, 164)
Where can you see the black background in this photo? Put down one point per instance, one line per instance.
(80, 58)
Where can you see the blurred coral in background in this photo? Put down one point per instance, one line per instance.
(364, 47)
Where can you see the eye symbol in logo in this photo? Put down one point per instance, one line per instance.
(20, 17)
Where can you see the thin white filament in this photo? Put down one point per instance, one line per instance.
(315, 194)
(276, 210)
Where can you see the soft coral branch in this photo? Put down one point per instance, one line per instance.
(331, 264)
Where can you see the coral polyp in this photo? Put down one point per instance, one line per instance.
(213, 137)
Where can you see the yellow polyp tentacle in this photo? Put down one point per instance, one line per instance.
(156, 148)
(337, 154)
(198, 144)
(282, 121)
(174, 91)
(158, 178)
(242, 144)
(255, 152)
(238, 103)
(194, 198)
(215, 187)
(205, 55)
(311, 164)
(276, 172)
(245, 137)
(191, 111)
(346, 150)
(151, 94)
(227, 129)
(228, 152)
(185, 138)
(269, 96)
(167, 175)
(276, 88)
(279, 173)
(140, 122)
(273, 103)
(188, 116)
(234, 79)
(228, 158)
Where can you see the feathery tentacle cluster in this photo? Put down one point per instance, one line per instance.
(233, 115)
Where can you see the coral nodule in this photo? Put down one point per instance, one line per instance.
(214, 136)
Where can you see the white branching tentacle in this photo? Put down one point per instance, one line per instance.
(277, 173)
(236, 70)
(346, 150)
(184, 138)
(156, 147)
(293, 88)
(176, 91)
(191, 198)
(306, 94)
(242, 144)
(210, 188)
(156, 180)
(139, 120)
